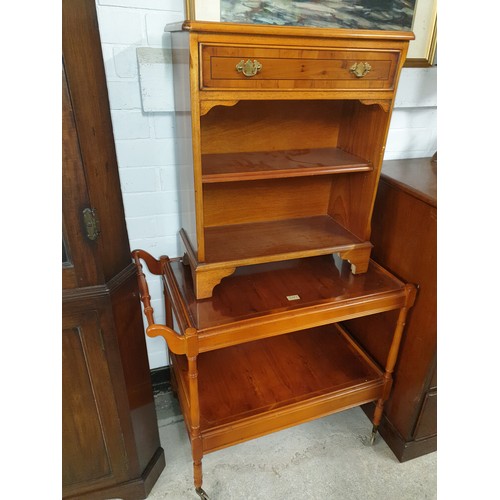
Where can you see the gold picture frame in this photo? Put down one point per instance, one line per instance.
(422, 50)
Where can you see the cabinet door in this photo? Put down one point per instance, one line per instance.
(93, 449)
(79, 262)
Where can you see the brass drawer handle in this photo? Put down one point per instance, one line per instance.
(360, 69)
(249, 68)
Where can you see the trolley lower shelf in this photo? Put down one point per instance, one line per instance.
(252, 389)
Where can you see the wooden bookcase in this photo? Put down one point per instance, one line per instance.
(286, 132)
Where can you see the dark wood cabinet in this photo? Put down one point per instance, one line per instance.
(404, 227)
(110, 440)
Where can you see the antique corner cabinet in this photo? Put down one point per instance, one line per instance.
(286, 141)
(110, 440)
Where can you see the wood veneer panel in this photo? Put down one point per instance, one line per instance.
(231, 203)
(278, 125)
(304, 236)
(363, 133)
(273, 165)
(189, 181)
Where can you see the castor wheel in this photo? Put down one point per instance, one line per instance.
(202, 494)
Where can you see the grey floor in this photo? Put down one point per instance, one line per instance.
(329, 458)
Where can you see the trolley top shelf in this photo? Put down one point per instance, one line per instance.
(269, 299)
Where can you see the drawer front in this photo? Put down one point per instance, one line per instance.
(297, 69)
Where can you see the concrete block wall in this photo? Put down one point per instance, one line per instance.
(138, 73)
(143, 127)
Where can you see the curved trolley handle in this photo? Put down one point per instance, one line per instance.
(176, 343)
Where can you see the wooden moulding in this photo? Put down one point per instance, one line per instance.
(206, 106)
(385, 104)
(256, 29)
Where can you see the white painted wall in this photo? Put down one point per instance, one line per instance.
(413, 131)
(141, 101)
(144, 139)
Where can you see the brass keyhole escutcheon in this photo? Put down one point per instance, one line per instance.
(91, 223)
(249, 68)
(360, 69)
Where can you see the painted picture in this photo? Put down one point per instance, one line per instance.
(354, 14)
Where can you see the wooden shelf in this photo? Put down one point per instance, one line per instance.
(229, 167)
(243, 244)
(278, 297)
(248, 384)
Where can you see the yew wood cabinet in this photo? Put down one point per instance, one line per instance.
(266, 351)
(286, 130)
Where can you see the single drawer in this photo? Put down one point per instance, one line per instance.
(267, 68)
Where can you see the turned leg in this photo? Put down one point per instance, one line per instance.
(391, 362)
(197, 452)
(377, 417)
(198, 478)
(196, 442)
